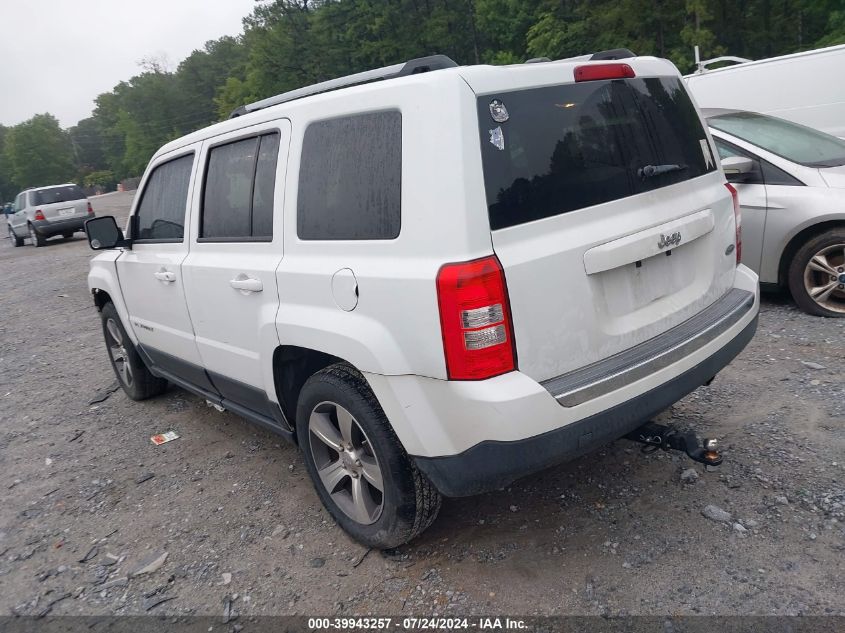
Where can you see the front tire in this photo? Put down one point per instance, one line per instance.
(817, 274)
(131, 372)
(363, 476)
(35, 238)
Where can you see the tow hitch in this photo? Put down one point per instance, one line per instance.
(656, 436)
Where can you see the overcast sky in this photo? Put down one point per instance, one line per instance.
(57, 55)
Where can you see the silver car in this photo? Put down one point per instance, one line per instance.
(791, 185)
(47, 211)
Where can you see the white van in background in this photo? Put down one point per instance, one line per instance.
(807, 88)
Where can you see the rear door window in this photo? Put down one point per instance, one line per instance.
(238, 191)
(350, 178)
(568, 147)
(161, 212)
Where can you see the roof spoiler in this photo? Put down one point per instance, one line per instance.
(613, 53)
(412, 67)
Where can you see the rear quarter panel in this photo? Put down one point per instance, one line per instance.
(395, 327)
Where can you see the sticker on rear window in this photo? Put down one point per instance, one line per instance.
(497, 138)
(708, 156)
(498, 111)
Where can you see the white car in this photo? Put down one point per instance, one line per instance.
(42, 212)
(435, 279)
(791, 184)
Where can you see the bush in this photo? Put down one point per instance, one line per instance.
(104, 179)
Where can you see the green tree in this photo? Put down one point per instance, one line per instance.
(203, 74)
(87, 141)
(38, 152)
(288, 44)
(835, 30)
(8, 189)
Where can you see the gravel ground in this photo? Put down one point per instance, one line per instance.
(88, 500)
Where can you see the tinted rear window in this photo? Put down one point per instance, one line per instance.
(568, 147)
(57, 194)
(239, 184)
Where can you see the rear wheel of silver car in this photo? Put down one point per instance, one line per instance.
(35, 238)
(14, 239)
(361, 472)
(817, 275)
(131, 372)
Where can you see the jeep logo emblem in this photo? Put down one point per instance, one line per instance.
(669, 240)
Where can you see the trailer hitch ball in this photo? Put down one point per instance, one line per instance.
(711, 455)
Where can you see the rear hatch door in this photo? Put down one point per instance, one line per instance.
(61, 203)
(608, 214)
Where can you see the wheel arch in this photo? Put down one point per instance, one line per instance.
(101, 298)
(292, 367)
(105, 287)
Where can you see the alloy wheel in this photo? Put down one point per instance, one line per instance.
(346, 464)
(117, 350)
(824, 278)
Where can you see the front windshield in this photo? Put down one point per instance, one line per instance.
(794, 142)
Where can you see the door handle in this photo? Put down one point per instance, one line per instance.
(165, 275)
(246, 284)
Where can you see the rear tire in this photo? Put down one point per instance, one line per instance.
(366, 456)
(67, 235)
(131, 372)
(816, 274)
(35, 238)
(14, 239)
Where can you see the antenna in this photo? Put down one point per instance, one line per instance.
(412, 67)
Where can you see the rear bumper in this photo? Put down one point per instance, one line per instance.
(48, 228)
(493, 465)
(472, 436)
(625, 368)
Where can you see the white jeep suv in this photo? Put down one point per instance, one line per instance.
(434, 279)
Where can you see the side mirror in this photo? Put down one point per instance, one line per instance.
(737, 168)
(103, 233)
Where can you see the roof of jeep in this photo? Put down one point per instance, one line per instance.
(482, 79)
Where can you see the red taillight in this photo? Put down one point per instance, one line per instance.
(90, 209)
(475, 319)
(738, 218)
(39, 215)
(594, 72)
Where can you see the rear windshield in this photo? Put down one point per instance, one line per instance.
(794, 142)
(65, 193)
(568, 147)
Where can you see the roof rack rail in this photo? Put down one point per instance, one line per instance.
(412, 67)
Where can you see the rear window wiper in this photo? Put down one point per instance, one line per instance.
(649, 171)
